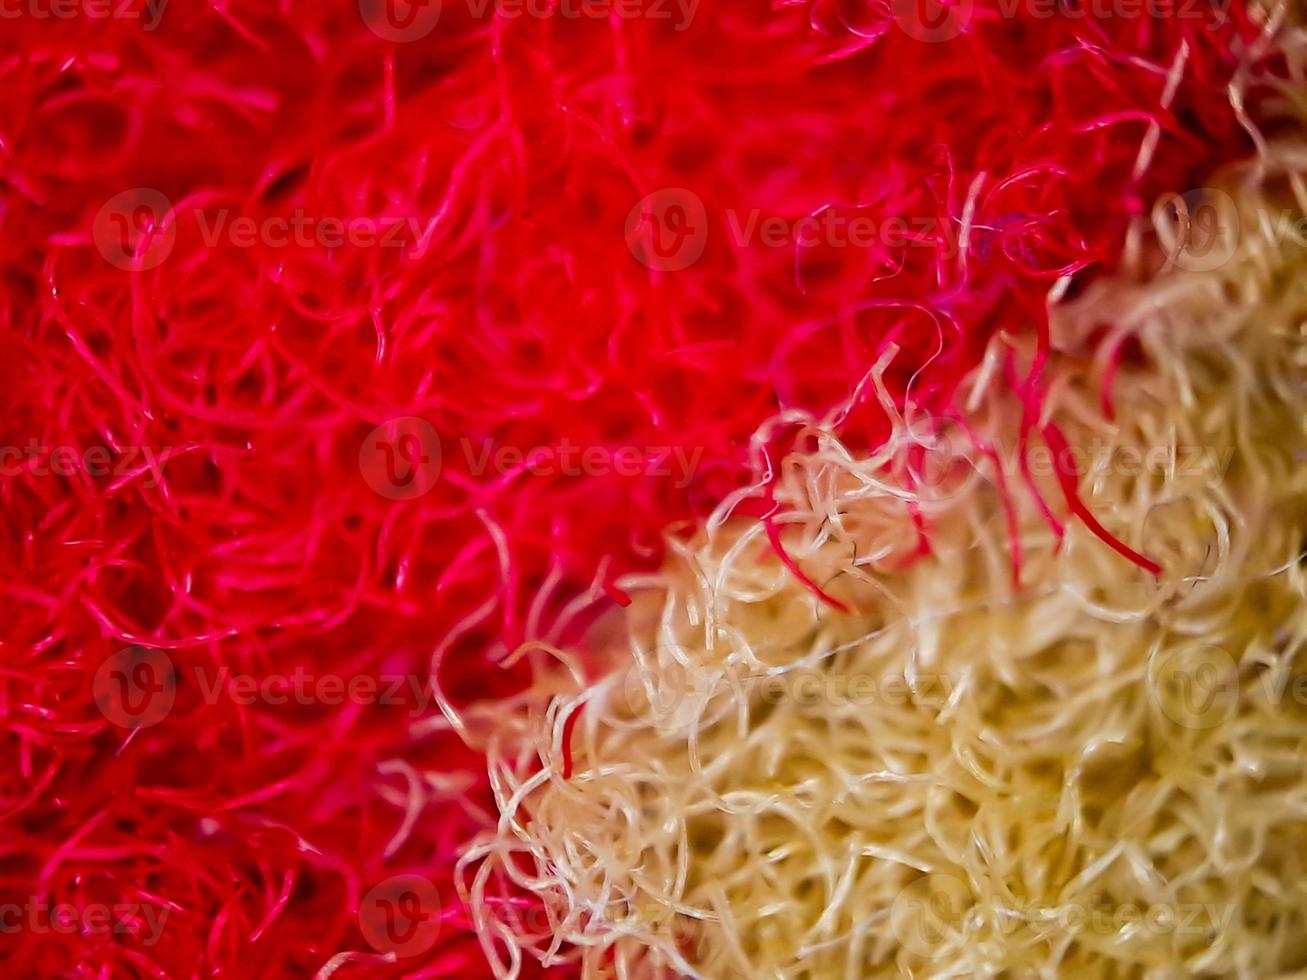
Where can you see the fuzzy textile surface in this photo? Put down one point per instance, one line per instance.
(352, 352)
(1099, 775)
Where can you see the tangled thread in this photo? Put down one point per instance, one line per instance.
(198, 304)
(1099, 775)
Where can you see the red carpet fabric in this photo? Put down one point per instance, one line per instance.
(371, 367)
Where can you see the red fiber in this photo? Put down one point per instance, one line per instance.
(774, 537)
(233, 505)
(569, 725)
(1068, 479)
(617, 595)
